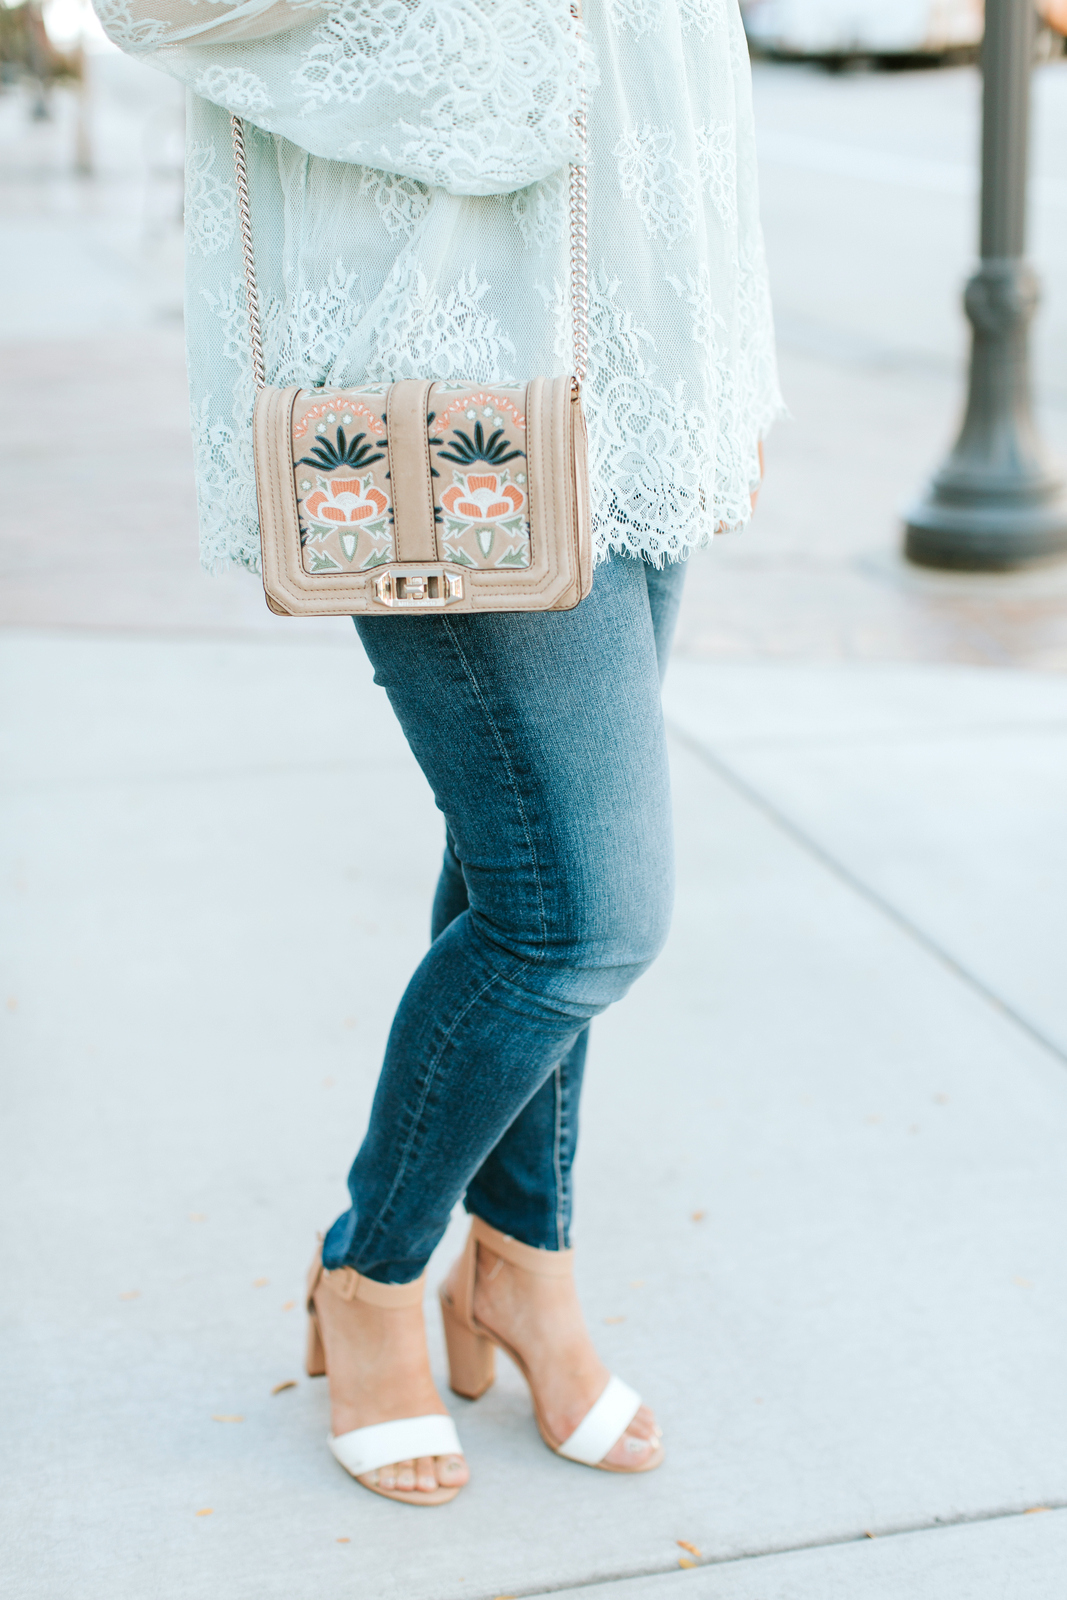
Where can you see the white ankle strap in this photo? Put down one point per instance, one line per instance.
(380, 1445)
(603, 1424)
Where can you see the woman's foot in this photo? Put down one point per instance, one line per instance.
(379, 1371)
(540, 1317)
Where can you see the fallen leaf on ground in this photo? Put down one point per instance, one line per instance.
(868, 1535)
(260, 1283)
(684, 1561)
(12, 1004)
(224, 1418)
(207, 1512)
(612, 1320)
(344, 1541)
(685, 1545)
(697, 1216)
(131, 1294)
(289, 1304)
(290, 1383)
(1031, 1511)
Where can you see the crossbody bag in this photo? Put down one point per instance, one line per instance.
(424, 496)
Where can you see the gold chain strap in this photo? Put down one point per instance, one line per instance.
(255, 335)
(579, 249)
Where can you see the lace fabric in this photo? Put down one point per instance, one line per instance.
(407, 164)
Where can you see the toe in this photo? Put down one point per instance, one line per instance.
(643, 1425)
(630, 1451)
(387, 1477)
(405, 1475)
(425, 1475)
(452, 1471)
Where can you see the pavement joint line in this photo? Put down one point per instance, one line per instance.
(844, 874)
(965, 1519)
(894, 736)
(17, 787)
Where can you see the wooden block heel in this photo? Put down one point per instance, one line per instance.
(471, 1355)
(471, 1358)
(315, 1361)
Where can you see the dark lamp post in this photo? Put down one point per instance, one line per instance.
(997, 502)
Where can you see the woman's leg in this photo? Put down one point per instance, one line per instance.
(524, 1186)
(542, 737)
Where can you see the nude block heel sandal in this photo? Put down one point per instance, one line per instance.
(363, 1450)
(471, 1354)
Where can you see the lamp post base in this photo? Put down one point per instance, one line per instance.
(997, 502)
(986, 536)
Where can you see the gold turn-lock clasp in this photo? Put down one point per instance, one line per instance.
(423, 588)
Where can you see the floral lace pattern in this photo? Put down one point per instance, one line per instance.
(636, 16)
(717, 167)
(542, 212)
(664, 191)
(703, 16)
(401, 202)
(236, 89)
(408, 171)
(417, 332)
(210, 203)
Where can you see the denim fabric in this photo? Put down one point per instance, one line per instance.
(542, 738)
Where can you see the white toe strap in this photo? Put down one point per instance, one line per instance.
(601, 1426)
(385, 1442)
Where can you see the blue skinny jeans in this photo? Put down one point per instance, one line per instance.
(541, 736)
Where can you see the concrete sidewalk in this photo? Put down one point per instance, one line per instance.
(821, 1186)
(822, 1180)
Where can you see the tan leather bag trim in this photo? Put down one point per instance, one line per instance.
(406, 406)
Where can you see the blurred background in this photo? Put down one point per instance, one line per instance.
(822, 1161)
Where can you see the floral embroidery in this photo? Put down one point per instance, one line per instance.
(337, 405)
(664, 191)
(348, 500)
(342, 517)
(483, 511)
(344, 513)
